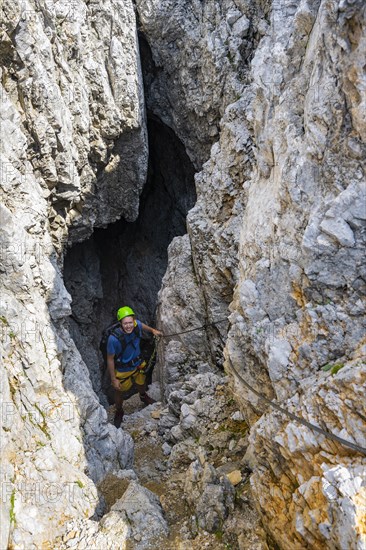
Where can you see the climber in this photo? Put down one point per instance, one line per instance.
(124, 361)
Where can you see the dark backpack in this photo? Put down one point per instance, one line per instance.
(112, 330)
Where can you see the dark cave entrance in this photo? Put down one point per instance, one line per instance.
(124, 263)
(134, 255)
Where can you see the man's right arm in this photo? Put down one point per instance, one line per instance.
(110, 366)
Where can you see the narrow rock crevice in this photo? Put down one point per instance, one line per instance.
(124, 263)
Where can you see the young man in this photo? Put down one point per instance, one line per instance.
(124, 361)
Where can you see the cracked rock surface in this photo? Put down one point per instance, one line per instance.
(278, 246)
(178, 495)
(269, 100)
(72, 112)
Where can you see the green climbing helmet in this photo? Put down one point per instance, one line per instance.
(123, 312)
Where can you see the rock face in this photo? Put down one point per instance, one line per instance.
(285, 230)
(71, 115)
(137, 517)
(199, 64)
(268, 100)
(317, 482)
(210, 496)
(299, 302)
(140, 509)
(72, 72)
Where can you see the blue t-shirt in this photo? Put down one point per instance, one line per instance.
(131, 351)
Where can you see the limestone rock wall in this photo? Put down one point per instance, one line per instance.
(200, 53)
(73, 155)
(269, 101)
(72, 71)
(303, 226)
(286, 231)
(316, 487)
(299, 305)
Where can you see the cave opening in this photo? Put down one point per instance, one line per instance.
(124, 263)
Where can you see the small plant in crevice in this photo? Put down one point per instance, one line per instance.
(333, 369)
(336, 368)
(42, 426)
(219, 534)
(12, 506)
